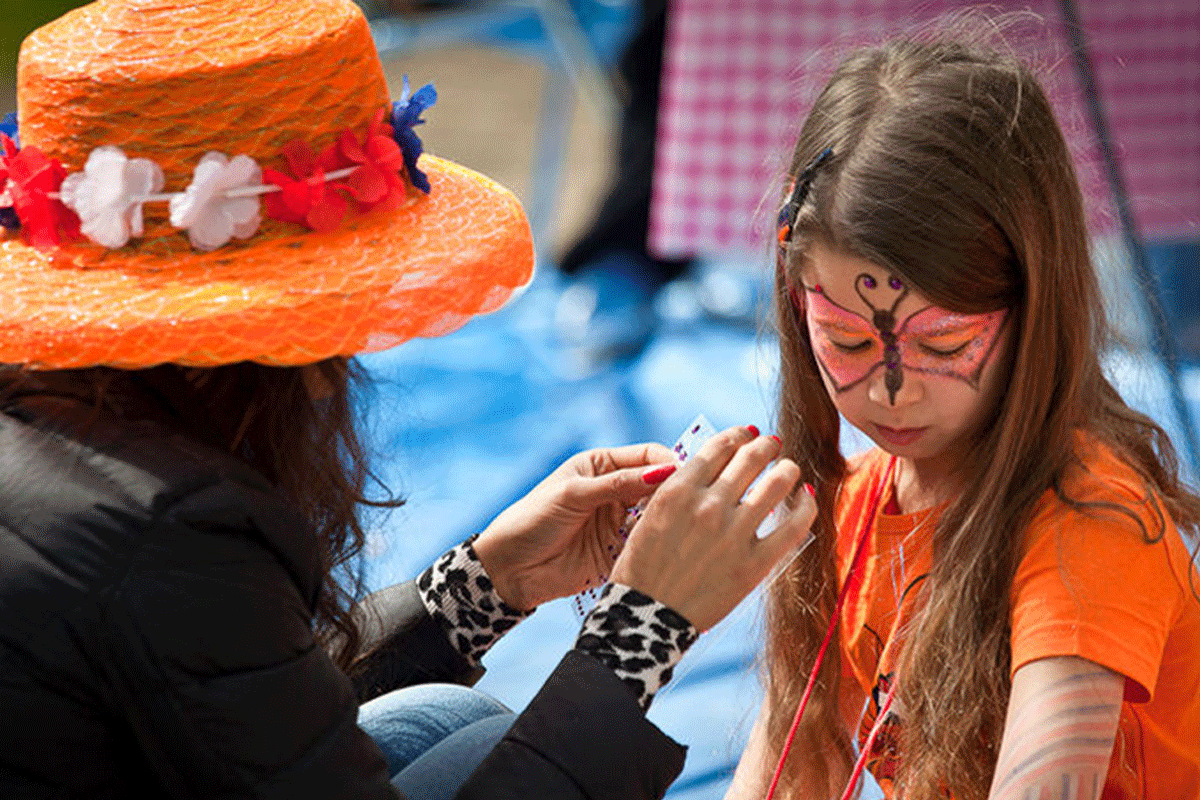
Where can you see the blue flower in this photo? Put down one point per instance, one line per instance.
(8, 214)
(9, 127)
(406, 114)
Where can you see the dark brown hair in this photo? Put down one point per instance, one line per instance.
(297, 426)
(950, 171)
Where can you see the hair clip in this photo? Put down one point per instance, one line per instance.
(791, 209)
(787, 218)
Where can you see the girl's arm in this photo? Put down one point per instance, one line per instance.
(1058, 736)
(1059, 733)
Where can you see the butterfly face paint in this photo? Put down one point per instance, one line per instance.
(933, 341)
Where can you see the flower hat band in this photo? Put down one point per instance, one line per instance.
(227, 180)
(104, 201)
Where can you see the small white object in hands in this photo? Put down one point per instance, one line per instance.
(693, 437)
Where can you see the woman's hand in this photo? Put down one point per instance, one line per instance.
(564, 535)
(695, 548)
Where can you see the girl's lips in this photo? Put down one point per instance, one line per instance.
(899, 436)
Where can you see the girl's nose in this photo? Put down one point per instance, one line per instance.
(903, 388)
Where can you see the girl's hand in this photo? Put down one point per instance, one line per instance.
(564, 535)
(695, 548)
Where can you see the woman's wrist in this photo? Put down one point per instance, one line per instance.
(490, 555)
(458, 593)
(637, 637)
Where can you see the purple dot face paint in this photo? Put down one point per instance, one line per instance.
(849, 347)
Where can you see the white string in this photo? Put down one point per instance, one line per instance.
(229, 194)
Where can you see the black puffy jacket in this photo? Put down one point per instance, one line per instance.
(156, 640)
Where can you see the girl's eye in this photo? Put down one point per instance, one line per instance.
(851, 347)
(945, 352)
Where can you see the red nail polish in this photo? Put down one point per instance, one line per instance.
(753, 430)
(812, 492)
(778, 441)
(658, 475)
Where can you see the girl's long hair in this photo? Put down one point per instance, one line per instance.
(950, 171)
(297, 426)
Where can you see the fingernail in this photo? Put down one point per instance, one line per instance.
(658, 474)
(812, 492)
(753, 430)
(778, 441)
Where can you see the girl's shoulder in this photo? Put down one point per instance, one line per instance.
(1098, 469)
(1099, 478)
(1102, 502)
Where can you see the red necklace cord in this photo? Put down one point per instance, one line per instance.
(833, 619)
(869, 743)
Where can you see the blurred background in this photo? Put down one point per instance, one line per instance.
(647, 144)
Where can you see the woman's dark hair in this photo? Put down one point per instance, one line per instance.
(300, 427)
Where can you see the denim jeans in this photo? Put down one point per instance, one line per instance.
(434, 735)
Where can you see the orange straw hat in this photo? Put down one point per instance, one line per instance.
(226, 180)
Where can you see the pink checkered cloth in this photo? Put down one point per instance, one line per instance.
(739, 75)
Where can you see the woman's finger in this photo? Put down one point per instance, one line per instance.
(623, 486)
(747, 464)
(778, 482)
(791, 530)
(631, 455)
(708, 462)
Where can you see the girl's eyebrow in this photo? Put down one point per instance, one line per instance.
(944, 323)
(948, 329)
(842, 326)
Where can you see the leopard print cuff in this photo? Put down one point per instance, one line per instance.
(458, 593)
(637, 637)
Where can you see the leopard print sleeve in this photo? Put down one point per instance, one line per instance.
(637, 637)
(459, 595)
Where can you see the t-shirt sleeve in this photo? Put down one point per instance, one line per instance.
(1094, 583)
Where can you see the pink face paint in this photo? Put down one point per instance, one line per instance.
(940, 342)
(932, 340)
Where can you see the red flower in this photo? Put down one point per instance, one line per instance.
(31, 178)
(308, 199)
(378, 181)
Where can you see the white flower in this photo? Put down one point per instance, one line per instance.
(211, 218)
(109, 193)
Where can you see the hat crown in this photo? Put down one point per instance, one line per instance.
(171, 81)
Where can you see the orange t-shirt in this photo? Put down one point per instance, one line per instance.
(1087, 585)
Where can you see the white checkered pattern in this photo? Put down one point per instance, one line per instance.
(739, 75)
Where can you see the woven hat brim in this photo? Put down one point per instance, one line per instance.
(285, 299)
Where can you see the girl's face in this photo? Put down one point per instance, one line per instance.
(921, 381)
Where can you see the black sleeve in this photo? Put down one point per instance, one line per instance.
(403, 645)
(582, 737)
(209, 657)
(207, 654)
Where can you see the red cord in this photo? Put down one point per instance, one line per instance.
(869, 743)
(833, 619)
